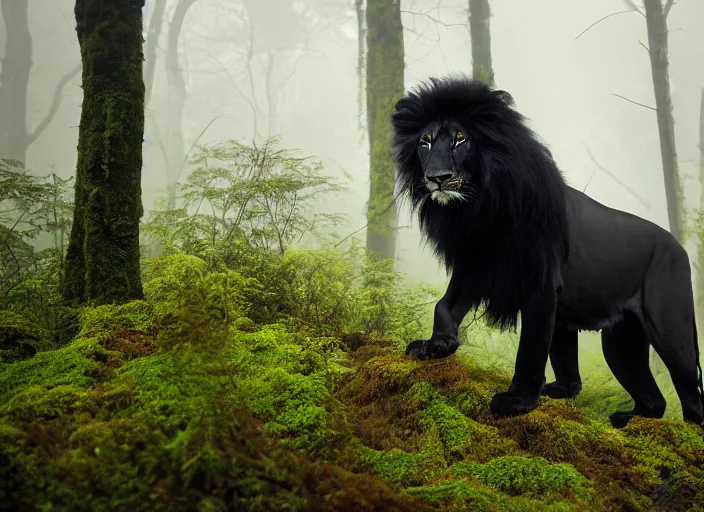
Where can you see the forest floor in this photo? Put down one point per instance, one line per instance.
(160, 405)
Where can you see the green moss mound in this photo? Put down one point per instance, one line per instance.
(18, 337)
(182, 402)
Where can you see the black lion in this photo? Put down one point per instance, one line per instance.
(516, 238)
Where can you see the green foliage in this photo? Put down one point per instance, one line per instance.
(34, 210)
(242, 197)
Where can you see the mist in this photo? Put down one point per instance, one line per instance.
(564, 80)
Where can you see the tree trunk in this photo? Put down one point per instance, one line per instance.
(176, 152)
(656, 21)
(14, 79)
(102, 262)
(480, 32)
(156, 22)
(359, 9)
(700, 249)
(385, 66)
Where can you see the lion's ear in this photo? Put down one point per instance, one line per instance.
(505, 97)
(402, 103)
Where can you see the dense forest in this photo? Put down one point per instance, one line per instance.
(194, 317)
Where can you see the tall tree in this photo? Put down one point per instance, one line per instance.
(176, 154)
(156, 23)
(359, 10)
(656, 21)
(385, 66)
(480, 32)
(15, 138)
(102, 261)
(700, 249)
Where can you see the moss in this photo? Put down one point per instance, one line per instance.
(463, 437)
(460, 494)
(283, 418)
(420, 395)
(386, 374)
(682, 491)
(531, 476)
(12, 463)
(34, 403)
(79, 364)
(683, 440)
(135, 315)
(16, 327)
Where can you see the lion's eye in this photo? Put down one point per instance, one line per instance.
(426, 140)
(459, 138)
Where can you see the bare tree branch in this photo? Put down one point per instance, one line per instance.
(634, 7)
(435, 20)
(667, 8)
(599, 21)
(55, 102)
(614, 177)
(634, 102)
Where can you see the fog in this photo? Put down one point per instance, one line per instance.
(566, 85)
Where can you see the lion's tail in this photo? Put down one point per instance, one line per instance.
(699, 366)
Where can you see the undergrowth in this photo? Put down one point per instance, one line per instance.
(183, 402)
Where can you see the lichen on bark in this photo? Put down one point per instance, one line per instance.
(102, 261)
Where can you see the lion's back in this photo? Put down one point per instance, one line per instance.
(610, 252)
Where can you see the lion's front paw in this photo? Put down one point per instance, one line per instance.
(434, 348)
(621, 418)
(511, 403)
(555, 390)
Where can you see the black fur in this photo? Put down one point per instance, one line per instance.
(520, 240)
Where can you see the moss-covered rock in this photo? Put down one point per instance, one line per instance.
(18, 337)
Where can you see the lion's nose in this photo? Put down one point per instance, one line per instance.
(440, 178)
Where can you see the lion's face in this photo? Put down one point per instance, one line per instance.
(443, 152)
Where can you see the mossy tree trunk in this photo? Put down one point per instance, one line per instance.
(480, 33)
(656, 20)
(15, 138)
(385, 66)
(102, 262)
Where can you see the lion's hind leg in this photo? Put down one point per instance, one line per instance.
(565, 364)
(626, 350)
(668, 311)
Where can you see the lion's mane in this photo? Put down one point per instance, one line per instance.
(511, 236)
